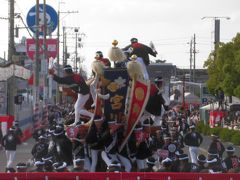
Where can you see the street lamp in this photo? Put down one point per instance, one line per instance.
(217, 27)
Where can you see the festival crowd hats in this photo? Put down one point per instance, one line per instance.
(21, 167)
(211, 160)
(230, 149)
(134, 40)
(202, 158)
(183, 157)
(166, 161)
(79, 160)
(179, 152)
(151, 161)
(60, 166)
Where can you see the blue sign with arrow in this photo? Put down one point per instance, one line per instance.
(51, 19)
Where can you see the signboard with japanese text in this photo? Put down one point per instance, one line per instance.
(115, 84)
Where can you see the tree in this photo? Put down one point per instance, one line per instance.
(224, 69)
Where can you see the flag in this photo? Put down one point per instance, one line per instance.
(140, 92)
(115, 83)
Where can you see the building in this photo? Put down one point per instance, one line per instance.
(164, 70)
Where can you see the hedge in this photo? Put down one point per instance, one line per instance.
(224, 134)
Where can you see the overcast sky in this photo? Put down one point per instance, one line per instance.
(170, 24)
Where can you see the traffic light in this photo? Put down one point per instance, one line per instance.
(18, 99)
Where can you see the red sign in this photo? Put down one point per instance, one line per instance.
(51, 48)
(216, 118)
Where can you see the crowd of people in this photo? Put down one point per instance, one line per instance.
(171, 147)
(164, 140)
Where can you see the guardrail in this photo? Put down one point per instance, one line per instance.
(117, 176)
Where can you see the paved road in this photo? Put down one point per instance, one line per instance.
(24, 151)
(22, 155)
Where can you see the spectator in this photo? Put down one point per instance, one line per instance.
(141, 51)
(193, 139)
(9, 142)
(217, 145)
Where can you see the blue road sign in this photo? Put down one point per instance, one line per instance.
(204, 100)
(51, 18)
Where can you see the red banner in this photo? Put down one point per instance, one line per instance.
(118, 176)
(140, 92)
(51, 48)
(216, 118)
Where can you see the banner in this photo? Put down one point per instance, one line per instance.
(139, 96)
(118, 175)
(14, 70)
(115, 84)
(215, 118)
(51, 48)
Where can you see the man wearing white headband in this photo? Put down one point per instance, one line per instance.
(77, 84)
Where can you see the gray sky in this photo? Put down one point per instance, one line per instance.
(170, 24)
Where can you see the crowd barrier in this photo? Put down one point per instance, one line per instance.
(117, 176)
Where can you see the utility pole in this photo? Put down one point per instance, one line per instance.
(44, 59)
(216, 28)
(12, 84)
(183, 92)
(191, 61)
(58, 48)
(10, 30)
(76, 47)
(64, 47)
(194, 58)
(37, 60)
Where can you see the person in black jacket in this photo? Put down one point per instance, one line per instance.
(78, 85)
(9, 142)
(193, 139)
(95, 140)
(40, 149)
(63, 146)
(217, 145)
(142, 52)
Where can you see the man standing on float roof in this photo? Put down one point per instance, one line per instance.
(142, 52)
(78, 85)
